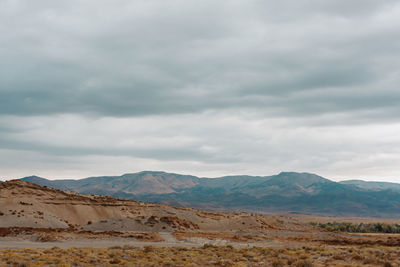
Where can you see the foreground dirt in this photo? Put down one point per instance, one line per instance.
(204, 256)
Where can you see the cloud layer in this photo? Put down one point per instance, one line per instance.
(208, 88)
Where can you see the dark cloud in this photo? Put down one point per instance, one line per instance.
(214, 84)
(133, 59)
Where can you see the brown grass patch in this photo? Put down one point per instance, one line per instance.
(205, 256)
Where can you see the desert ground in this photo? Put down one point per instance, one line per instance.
(43, 226)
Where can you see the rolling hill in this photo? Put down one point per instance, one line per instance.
(28, 205)
(287, 192)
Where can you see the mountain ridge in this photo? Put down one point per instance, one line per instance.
(286, 192)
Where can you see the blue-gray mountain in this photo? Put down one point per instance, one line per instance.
(286, 192)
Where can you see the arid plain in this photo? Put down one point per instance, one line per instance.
(44, 226)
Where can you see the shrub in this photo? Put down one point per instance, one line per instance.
(359, 228)
(115, 261)
(304, 264)
(277, 263)
(148, 249)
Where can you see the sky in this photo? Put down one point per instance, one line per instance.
(208, 88)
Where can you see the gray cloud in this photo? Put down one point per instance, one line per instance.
(182, 81)
(133, 59)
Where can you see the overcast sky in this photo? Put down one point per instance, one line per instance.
(208, 88)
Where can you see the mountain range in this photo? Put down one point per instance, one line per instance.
(287, 192)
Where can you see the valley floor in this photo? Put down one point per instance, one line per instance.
(207, 255)
(57, 247)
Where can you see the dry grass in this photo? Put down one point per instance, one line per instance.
(205, 256)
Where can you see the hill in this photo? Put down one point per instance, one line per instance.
(132, 183)
(287, 192)
(24, 204)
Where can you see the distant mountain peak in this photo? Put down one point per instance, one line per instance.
(298, 173)
(151, 172)
(302, 176)
(33, 177)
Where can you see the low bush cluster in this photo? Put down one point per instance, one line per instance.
(360, 227)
